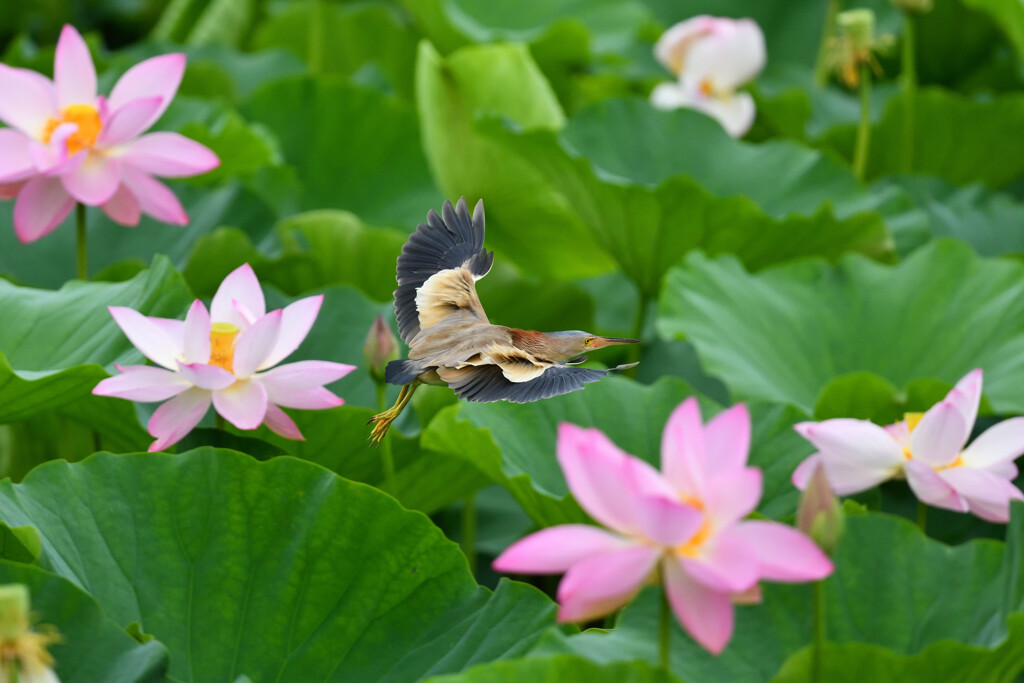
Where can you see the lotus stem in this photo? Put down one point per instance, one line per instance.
(664, 634)
(386, 456)
(922, 517)
(469, 531)
(818, 654)
(860, 152)
(909, 77)
(82, 250)
(821, 66)
(639, 322)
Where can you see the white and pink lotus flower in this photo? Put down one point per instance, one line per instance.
(711, 57)
(225, 357)
(684, 524)
(928, 450)
(66, 144)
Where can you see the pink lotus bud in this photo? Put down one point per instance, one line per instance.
(380, 348)
(820, 514)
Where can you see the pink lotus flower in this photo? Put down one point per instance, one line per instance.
(685, 520)
(65, 144)
(711, 57)
(928, 450)
(225, 357)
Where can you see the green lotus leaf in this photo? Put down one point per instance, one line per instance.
(277, 570)
(784, 334)
(335, 39)
(514, 444)
(354, 147)
(557, 669)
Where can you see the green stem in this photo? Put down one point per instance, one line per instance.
(909, 77)
(83, 254)
(220, 422)
(664, 634)
(386, 456)
(633, 352)
(922, 517)
(860, 152)
(469, 531)
(818, 659)
(821, 66)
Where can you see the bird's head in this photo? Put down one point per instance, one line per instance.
(563, 346)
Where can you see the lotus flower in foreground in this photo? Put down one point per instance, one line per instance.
(225, 357)
(711, 57)
(928, 450)
(66, 144)
(684, 523)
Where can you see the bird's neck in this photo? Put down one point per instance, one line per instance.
(538, 344)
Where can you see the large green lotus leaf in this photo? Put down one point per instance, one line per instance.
(991, 222)
(338, 439)
(340, 39)
(650, 145)
(514, 444)
(277, 570)
(895, 598)
(54, 345)
(557, 669)
(955, 137)
(784, 334)
(355, 148)
(50, 262)
(709, 204)
(1009, 15)
(334, 247)
(91, 646)
(529, 220)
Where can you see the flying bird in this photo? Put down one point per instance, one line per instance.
(451, 341)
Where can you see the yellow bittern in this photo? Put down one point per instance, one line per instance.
(450, 340)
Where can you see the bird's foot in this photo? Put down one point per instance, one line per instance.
(381, 422)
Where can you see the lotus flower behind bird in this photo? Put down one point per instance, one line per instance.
(684, 523)
(711, 57)
(225, 357)
(66, 144)
(928, 450)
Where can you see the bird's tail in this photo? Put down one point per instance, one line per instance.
(402, 371)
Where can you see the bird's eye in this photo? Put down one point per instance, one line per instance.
(588, 341)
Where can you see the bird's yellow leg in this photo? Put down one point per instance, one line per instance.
(382, 421)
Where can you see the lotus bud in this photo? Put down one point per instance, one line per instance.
(820, 514)
(23, 655)
(858, 27)
(914, 6)
(380, 348)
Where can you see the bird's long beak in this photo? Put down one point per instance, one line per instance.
(601, 342)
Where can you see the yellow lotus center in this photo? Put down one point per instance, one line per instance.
(692, 501)
(692, 547)
(86, 118)
(911, 420)
(222, 345)
(706, 87)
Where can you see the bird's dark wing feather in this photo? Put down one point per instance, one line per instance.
(487, 383)
(451, 240)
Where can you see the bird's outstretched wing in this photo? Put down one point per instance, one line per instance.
(486, 383)
(438, 267)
